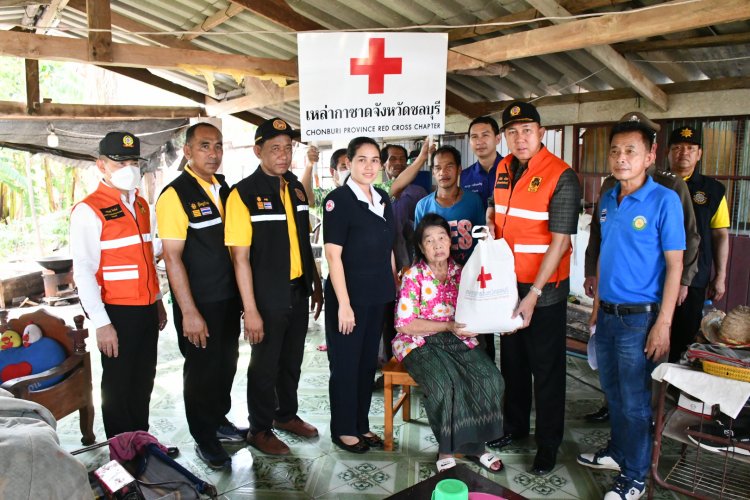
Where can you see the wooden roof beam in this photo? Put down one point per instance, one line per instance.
(258, 94)
(720, 84)
(145, 76)
(128, 25)
(610, 58)
(51, 12)
(99, 17)
(529, 16)
(684, 43)
(26, 45)
(47, 110)
(673, 17)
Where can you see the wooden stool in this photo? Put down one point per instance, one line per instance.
(394, 373)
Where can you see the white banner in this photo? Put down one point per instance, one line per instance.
(372, 84)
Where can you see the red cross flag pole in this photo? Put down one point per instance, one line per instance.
(373, 84)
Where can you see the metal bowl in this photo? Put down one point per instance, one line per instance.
(56, 263)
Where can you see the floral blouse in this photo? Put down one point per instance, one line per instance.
(422, 296)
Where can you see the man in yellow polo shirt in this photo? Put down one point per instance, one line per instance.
(206, 302)
(267, 230)
(712, 219)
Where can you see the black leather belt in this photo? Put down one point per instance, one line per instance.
(625, 309)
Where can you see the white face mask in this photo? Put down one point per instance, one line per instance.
(126, 178)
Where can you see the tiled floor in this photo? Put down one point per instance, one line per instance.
(317, 469)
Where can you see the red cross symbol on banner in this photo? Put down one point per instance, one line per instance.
(376, 66)
(483, 278)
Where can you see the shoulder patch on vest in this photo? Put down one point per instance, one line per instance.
(113, 212)
(300, 194)
(329, 205)
(668, 175)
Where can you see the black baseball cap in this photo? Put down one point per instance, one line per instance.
(685, 134)
(519, 111)
(120, 146)
(272, 128)
(637, 116)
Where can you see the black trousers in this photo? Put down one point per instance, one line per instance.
(537, 351)
(686, 322)
(276, 364)
(353, 360)
(207, 374)
(128, 379)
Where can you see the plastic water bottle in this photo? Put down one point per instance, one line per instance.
(708, 306)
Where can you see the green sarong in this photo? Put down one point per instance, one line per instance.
(463, 393)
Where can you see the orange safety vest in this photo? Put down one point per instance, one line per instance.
(126, 273)
(522, 215)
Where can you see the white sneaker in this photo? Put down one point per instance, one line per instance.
(626, 489)
(599, 460)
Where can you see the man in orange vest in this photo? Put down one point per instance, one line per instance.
(536, 203)
(113, 267)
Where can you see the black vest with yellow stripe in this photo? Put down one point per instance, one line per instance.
(269, 251)
(706, 194)
(206, 259)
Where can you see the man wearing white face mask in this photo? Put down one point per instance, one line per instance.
(113, 267)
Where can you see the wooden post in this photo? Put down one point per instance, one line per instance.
(100, 18)
(32, 85)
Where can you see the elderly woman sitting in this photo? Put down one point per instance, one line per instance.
(463, 389)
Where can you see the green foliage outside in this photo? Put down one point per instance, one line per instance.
(52, 187)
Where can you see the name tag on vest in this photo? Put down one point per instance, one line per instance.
(503, 181)
(113, 212)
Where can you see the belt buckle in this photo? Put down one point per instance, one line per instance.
(615, 310)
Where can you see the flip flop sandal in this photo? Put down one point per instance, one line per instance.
(445, 464)
(487, 460)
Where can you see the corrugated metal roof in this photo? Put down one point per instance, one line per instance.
(251, 34)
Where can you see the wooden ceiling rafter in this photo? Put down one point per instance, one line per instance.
(130, 25)
(607, 29)
(529, 16)
(721, 84)
(697, 42)
(610, 58)
(99, 16)
(49, 110)
(26, 45)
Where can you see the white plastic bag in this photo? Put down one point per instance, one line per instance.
(488, 295)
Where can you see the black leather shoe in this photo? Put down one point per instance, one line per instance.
(505, 440)
(172, 451)
(358, 447)
(599, 416)
(373, 441)
(544, 461)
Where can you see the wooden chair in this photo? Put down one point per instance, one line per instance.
(72, 393)
(394, 373)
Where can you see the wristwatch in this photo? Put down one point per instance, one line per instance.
(536, 290)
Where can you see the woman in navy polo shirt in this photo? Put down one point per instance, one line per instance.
(358, 231)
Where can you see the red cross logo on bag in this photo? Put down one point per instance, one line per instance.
(376, 66)
(483, 278)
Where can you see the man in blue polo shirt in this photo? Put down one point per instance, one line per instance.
(462, 209)
(640, 264)
(479, 178)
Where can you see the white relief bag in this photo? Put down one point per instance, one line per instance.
(487, 295)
